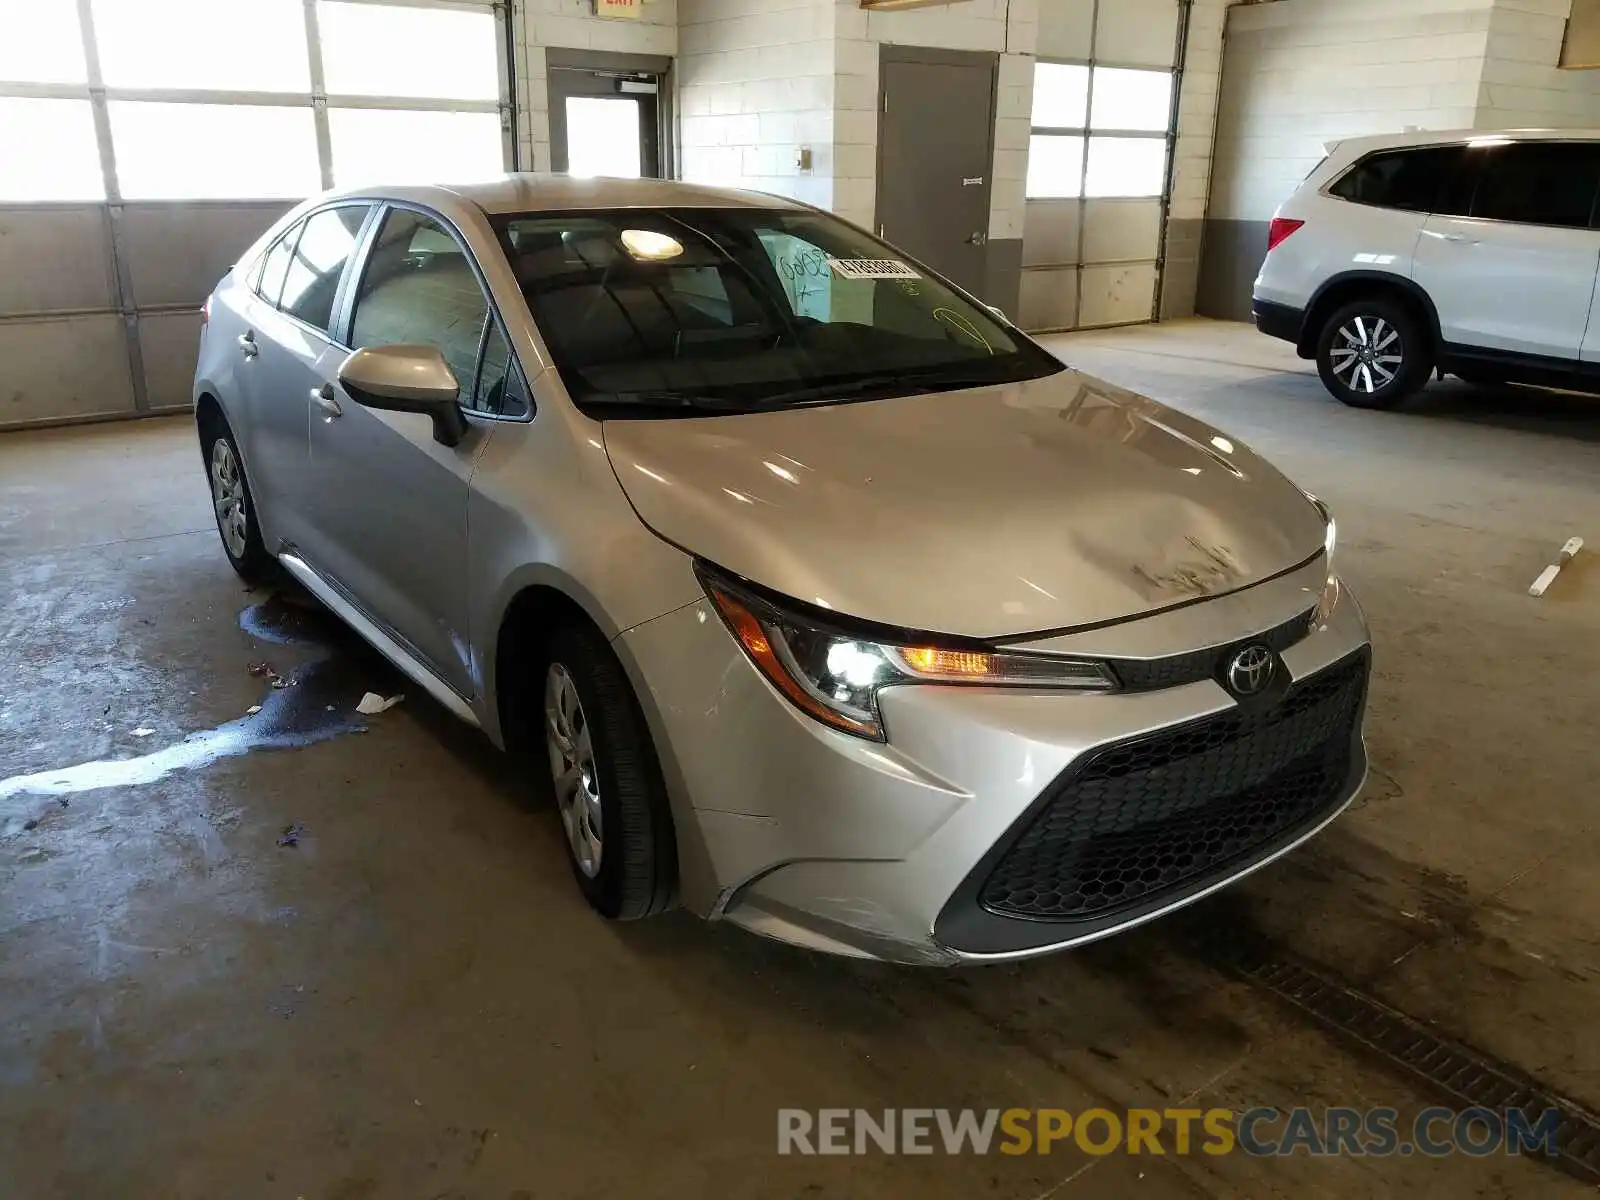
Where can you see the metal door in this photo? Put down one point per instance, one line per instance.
(935, 148)
(606, 121)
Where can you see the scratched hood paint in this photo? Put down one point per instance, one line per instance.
(1044, 505)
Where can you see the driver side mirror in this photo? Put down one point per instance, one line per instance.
(413, 379)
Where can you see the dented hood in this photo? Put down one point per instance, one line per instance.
(1050, 504)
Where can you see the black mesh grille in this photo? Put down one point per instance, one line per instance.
(1161, 812)
(1137, 675)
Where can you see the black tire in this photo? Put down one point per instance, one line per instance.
(251, 560)
(637, 874)
(1347, 365)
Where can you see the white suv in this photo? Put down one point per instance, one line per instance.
(1469, 253)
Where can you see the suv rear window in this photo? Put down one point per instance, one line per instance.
(1414, 180)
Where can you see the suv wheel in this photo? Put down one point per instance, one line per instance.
(1372, 354)
(604, 778)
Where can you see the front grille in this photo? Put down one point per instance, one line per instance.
(1149, 675)
(1164, 812)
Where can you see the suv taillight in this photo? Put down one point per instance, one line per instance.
(1279, 231)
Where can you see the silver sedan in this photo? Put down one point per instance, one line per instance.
(817, 597)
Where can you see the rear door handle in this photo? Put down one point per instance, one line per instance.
(1460, 239)
(247, 343)
(324, 399)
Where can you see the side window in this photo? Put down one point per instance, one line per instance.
(500, 390)
(1540, 183)
(1412, 180)
(419, 289)
(276, 265)
(318, 264)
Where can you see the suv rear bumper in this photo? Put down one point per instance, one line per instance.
(1278, 320)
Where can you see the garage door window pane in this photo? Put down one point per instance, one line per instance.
(48, 151)
(400, 146)
(42, 42)
(1131, 100)
(1060, 96)
(1055, 165)
(378, 50)
(214, 151)
(1126, 166)
(242, 45)
(319, 262)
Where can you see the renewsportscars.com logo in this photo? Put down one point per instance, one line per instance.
(1259, 1132)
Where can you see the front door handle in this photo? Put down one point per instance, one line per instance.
(324, 399)
(247, 343)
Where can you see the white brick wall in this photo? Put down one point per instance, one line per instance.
(756, 84)
(572, 25)
(1522, 86)
(1305, 72)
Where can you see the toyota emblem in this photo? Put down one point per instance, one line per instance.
(1250, 671)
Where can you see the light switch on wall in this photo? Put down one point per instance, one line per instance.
(802, 160)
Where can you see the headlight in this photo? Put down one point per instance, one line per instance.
(1331, 537)
(834, 673)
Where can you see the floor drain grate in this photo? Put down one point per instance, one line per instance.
(1446, 1068)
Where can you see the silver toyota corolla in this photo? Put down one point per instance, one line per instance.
(819, 598)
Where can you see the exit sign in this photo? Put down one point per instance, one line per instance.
(619, 10)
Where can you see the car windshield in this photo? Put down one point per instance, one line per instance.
(699, 310)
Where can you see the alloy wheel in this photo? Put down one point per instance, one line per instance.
(227, 496)
(1367, 354)
(577, 784)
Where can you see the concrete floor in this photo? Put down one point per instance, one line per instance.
(413, 1002)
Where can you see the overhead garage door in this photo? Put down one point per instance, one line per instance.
(1099, 177)
(145, 145)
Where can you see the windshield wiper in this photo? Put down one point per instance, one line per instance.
(665, 398)
(909, 380)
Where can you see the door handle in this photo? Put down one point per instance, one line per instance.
(324, 399)
(247, 343)
(1460, 239)
(978, 239)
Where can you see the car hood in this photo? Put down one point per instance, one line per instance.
(1045, 505)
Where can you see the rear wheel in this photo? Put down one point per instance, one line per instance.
(1373, 354)
(233, 504)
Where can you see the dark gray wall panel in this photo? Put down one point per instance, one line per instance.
(61, 368)
(177, 252)
(54, 258)
(170, 342)
(1181, 275)
(1228, 268)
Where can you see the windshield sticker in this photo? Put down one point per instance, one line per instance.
(871, 268)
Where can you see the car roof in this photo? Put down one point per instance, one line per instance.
(1446, 137)
(529, 192)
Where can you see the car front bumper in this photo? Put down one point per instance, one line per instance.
(1002, 823)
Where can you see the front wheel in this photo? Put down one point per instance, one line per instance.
(1373, 354)
(605, 779)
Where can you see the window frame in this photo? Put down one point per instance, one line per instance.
(1473, 169)
(328, 335)
(356, 273)
(1089, 131)
(316, 99)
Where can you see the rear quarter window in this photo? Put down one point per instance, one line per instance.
(1413, 180)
